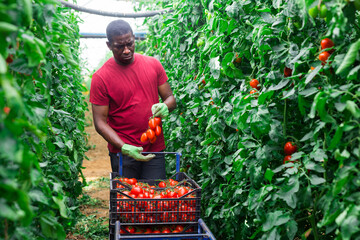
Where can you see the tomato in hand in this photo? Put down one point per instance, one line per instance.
(157, 120)
(153, 140)
(290, 148)
(157, 130)
(144, 137)
(254, 83)
(152, 124)
(150, 134)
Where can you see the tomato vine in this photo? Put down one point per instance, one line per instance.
(233, 141)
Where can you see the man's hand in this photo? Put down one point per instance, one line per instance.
(135, 153)
(160, 110)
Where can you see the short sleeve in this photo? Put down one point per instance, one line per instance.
(98, 91)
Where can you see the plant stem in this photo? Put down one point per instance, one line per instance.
(313, 225)
(284, 124)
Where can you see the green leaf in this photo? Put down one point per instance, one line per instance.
(6, 27)
(340, 183)
(312, 74)
(353, 108)
(61, 204)
(3, 67)
(269, 174)
(280, 85)
(350, 57)
(315, 180)
(276, 218)
(337, 137)
(65, 49)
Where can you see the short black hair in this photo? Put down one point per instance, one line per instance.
(117, 28)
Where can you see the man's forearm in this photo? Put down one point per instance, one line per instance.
(109, 135)
(170, 103)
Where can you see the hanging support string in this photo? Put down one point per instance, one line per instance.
(113, 14)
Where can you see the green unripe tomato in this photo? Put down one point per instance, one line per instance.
(200, 42)
(313, 12)
(323, 11)
(297, 24)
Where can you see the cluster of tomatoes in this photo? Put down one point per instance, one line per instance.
(153, 130)
(289, 148)
(155, 229)
(326, 43)
(254, 83)
(159, 203)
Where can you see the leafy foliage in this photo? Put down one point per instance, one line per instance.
(42, 120)
(232, 141)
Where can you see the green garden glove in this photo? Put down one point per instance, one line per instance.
(135, 153)
(160, 110)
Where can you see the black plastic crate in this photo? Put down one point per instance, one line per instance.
(141, 229)
(139, 211)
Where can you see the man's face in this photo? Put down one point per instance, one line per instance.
(123, 48)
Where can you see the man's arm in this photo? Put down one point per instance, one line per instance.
(100, 114)
(167, 96)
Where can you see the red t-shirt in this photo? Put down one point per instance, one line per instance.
(129, 91)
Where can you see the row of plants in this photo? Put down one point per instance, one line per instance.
(42, 138)
(249, 78)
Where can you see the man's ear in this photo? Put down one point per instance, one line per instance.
(109, 45)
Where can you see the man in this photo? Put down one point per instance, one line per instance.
(124, 95)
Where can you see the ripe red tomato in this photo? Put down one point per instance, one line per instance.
(327, 43)
(287, 72)
(324, 56)
(132, 181)
(153, 140)
(157, 130)
(179, 228)
(253, 91)
(290, 148)
(173, 182)
(144, 137)
(148, 230)
(166, 230)
(203, 81)
(6, 110)
(182, 191)
(150, 134)
(287, 159)
(156, 231)
(152, 124)
(238, 60)
(162, 184)
(130, 229)
(254, 83)
(136, 190)
(157, 120)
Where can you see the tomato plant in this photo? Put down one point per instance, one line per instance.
(43, 131)
(233, 140)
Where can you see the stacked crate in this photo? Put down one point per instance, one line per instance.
(150, 212)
